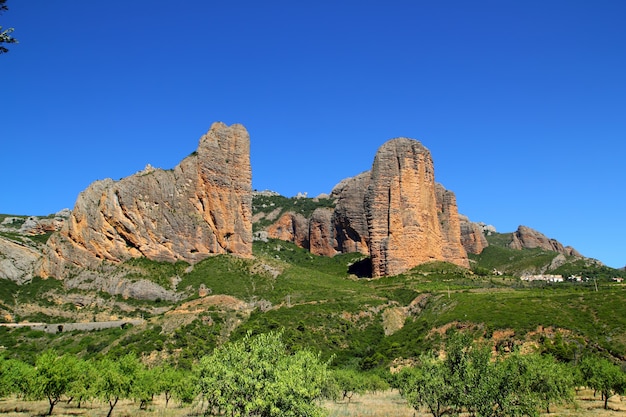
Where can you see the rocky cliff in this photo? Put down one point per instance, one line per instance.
(527, 238)
(472, 235)
(403, 211)
(201, 207)
(395, 213)
(350, 218)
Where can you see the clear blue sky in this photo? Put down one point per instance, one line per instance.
(522, 103)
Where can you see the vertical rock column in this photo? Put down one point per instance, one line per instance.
(403, 210)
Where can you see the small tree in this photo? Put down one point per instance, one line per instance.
(552, 381)
(52, 377)
(426, 386)
(166, 377)
(145, 386)
(602, 375)
(116, 379)
(18, 377)
(349, 382)
(257, 376)
(82, 388)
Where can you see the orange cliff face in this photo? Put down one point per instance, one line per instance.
(396, 213)
(201, 207)
(410, 221)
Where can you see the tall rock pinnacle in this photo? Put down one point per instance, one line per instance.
(201, 207)
(409, 220)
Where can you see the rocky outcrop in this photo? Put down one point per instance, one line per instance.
(291, 227)
(395, 213)
(472, 235)
(322, 233)
(402, 211)
(201, 207)
(526, 238)
(18, 260)
(350, 219)
(447, 211)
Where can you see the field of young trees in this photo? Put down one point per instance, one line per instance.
(260, 376)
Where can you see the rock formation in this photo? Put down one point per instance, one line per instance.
(322, 233)
(18, 260)
(201, 207)
(395, 213)
(403, 211)
(291, 227)
(350, 219)
(472, 235)
(525, 237)
(448, 214)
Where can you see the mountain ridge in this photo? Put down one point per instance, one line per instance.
(395, 213)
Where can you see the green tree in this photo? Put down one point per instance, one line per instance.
(511, 394)
(52, 377)
(166, 377)
(82, 388)
(116, 379)
(145, 386)
(184, 389)
(602, 375)
(552, 381)
(467, 380)
(426, 386)
(5, 35)
(349, 382)
(257, 376)
(18, 377)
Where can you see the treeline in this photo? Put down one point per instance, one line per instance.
(469, 379)
(260, 376)
(56, 377)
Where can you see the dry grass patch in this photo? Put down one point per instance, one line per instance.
(381, 404)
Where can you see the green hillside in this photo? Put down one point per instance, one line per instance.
(364, 323)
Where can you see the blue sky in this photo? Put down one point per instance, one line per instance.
(521, 103)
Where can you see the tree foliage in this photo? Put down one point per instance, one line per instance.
(5, 35)
(257, 376)
(602, 375)
(116, 379)
(52, 377)
(468, 380)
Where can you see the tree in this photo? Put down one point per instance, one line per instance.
(468, 380)
(552, 381)
(602, 375)
(145, 386)
(5, 35)
(166, 378)
(511, 395)
(349, 382)
(18, 377)
(52, 377)
(426, 386)
(12, 372)
(82, 388)
(116, 379)
(257, 376)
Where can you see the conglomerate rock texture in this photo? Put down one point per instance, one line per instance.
(201, 207)
(403, 211)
